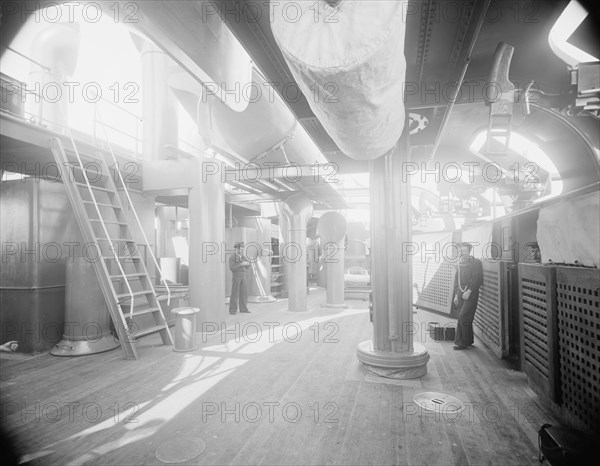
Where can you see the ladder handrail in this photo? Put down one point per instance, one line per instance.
(101, 218)
(162, 277)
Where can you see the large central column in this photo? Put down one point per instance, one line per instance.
(206, 203)
(391, 352)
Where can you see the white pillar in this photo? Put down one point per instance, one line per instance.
(207, 239)
(392, 351)
(332, 228)
(160, 125)
(296, 212)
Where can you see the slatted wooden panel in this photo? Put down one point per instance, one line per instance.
(488, 322)
(433, 283)
(578, 306)
(539, 353)
(535, 324)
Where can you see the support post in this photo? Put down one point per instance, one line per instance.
(332, 228)
(206, 235)
(392, 352)
(297, 211)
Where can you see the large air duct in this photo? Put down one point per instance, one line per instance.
(351, 70)
(264, 131)
(296, 212)
(160, 125)
(55, 51)
(332, 229)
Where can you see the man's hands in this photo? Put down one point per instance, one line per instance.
(9, 346)
(465, 296)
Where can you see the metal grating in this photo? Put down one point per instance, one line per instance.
(578, 304)
(487, 321)
(433, 284)
(535, 324)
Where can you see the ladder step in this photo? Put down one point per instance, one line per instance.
(118, 240)
(127, 275)
(96, 173)
(137, 258)
(98, 188)
(149, 330)
(135, 293)
(147, 310)
(110, 222)
(84, 155)
(102, 204)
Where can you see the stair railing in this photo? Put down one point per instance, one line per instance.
(122, 181)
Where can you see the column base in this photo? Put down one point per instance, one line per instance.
(408, 365)
(262, 299)
(335, 306)
(84, 347)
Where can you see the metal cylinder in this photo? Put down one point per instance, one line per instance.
(296, 212)
(206, 233)
(160, 126)
(360, 72)
(242, 131)
(56, 49)
(332, 228)
(87, 320)
(185, 328)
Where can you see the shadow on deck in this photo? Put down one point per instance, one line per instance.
(275, 388)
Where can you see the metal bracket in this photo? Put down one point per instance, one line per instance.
(501, 97)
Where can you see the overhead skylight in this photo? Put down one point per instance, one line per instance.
(566, 24)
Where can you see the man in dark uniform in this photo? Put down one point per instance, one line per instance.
(238, 264)
(469, 278)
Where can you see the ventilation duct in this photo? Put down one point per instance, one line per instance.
(352, 71)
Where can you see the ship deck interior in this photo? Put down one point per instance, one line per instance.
(292, 382)
(272, 398)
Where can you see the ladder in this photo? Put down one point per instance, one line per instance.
(126, 285)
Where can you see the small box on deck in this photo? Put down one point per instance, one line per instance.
(439, 332)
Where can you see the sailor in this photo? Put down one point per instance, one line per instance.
(238, 264)
(469, 278)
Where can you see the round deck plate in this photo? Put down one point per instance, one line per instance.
(439, 402)
(180, 450)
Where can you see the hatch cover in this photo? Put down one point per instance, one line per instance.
(440, 402)
(180, 450)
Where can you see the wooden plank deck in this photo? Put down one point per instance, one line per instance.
(274, 397)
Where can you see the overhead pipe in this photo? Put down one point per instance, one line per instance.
(354, 83)
(160, 125)
(461, 78)
(56, 49)
(212, 56)
(297, 210)
(266, 131)
(332, 229)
